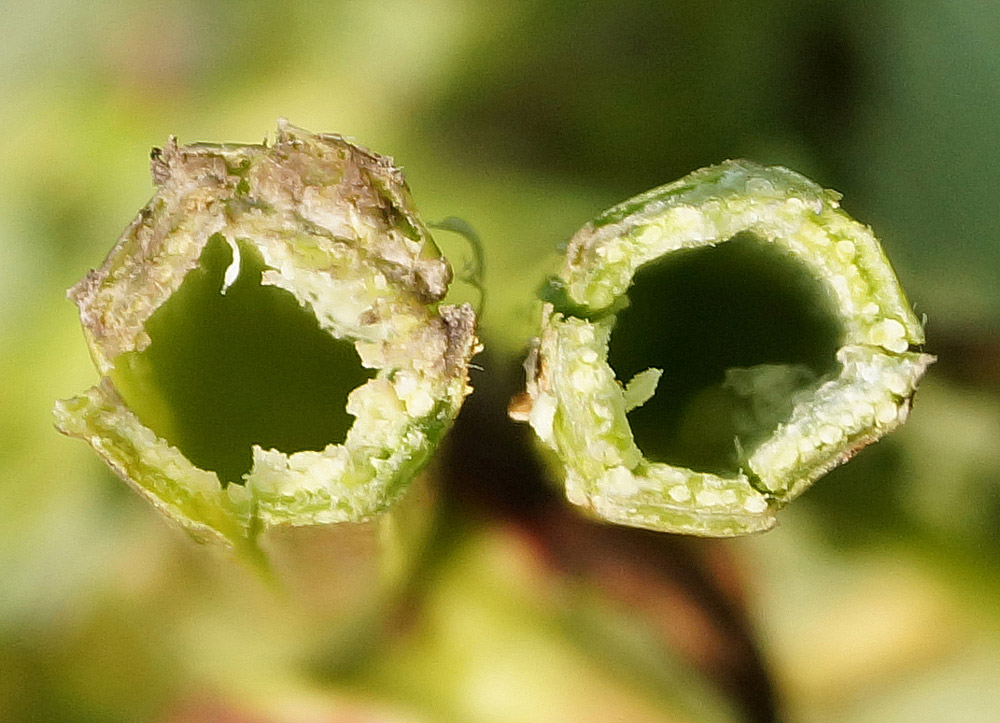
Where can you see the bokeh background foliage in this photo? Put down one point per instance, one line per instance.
(876, 599)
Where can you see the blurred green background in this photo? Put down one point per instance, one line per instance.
(877, 599)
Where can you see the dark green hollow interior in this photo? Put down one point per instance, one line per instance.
(225, 372)
(695, 314)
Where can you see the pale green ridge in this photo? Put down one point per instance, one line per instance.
(578, 407)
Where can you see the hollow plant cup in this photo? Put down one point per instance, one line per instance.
(792, 424)
(275, 357)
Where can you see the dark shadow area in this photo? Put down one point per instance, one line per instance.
(498, 467)
(700, 313)
(226, 371)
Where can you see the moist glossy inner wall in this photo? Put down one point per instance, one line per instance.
(697, 314)
(226, 371)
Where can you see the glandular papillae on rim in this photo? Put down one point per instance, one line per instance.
(578, 407)
(312, 219)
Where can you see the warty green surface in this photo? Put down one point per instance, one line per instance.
(578, 408)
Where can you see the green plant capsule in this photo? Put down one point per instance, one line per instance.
(270, 337)
(713, 346)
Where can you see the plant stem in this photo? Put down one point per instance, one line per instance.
(271, 343)
(836, 371)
